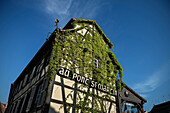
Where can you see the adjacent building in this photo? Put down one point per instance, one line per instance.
(161, 108)
(74, 72)
(2, 107)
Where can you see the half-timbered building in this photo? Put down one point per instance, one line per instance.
(73, 72)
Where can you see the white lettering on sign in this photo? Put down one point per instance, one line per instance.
(84, 80)
(67, 72)
(61, 71)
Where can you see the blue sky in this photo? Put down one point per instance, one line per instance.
(139, 30)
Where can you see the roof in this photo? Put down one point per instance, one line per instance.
(161, 108)
(70, 25)
(2, 107)
(136, 94)
(37, 55)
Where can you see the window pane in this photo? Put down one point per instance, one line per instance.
(129, 108)
(25, 80)
(96, 63)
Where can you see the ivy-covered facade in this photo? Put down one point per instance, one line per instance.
(74, 72)
(82, 49)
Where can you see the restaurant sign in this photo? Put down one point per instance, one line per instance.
(66, 73)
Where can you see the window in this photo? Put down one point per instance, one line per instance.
(13, 108)
(130, 108)
(30, 101)
(25, 102)
(22, 105)
(25, 80)
(47, 60)
(39, 69)
(41, 92)
(38, 94)
(97, 62)
(32, 74)
(20, 86)
(15, 88)
(17, 106)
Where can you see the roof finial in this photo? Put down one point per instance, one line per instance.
(56, 22)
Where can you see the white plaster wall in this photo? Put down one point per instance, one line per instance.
(57, 95)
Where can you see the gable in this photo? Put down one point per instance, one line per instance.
(81, 44)
(83, 26)
(78, 23)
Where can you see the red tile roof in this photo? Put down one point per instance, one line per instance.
(2, 107)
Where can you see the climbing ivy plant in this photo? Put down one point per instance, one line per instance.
(76, 50)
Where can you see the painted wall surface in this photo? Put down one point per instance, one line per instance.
(64, 87)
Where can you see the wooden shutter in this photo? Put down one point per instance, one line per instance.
(43, 72)
(23, 103)
(25, 80)
(46, 64)
(42, 64)
(39, 68)
(38, 71)
(13, 108)
(15, 89)
(45, 84)
(31, 99)
(42, 98)
(32, 74)
(47, 60)
(43, 92)
(20, 86)
(46, 68)
(38, 97)
(9, 109)
(18, 103)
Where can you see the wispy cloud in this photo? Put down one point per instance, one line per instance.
(85, 9)
(76, 8)
(59, 7)
(64, 10)
(153, 81)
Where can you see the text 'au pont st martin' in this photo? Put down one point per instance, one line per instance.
(84, 80)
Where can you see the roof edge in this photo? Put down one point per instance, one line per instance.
(135, 93)
(52, 36)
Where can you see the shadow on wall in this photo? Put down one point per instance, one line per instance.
(51, 110)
